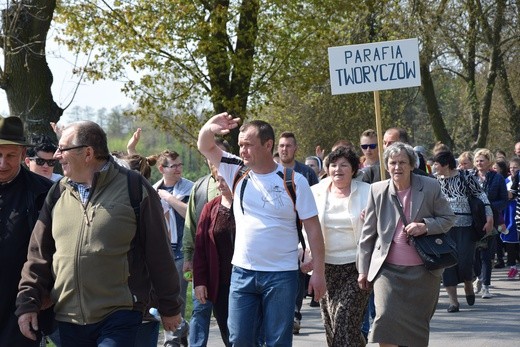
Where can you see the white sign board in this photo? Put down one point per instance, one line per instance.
(374, 66)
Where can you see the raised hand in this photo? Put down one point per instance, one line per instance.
(222, 123)
(132, 143)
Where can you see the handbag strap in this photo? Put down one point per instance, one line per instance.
(400, 209)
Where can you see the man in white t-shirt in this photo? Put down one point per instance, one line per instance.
(265, 261)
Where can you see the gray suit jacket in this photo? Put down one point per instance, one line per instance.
(428, 206)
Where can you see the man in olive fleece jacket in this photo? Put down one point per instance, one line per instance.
(86, 255)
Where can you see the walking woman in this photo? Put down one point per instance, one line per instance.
(405, 292)
(510, 238)
(456, 186)
(340, 200)
(495, 187)
(214, 244)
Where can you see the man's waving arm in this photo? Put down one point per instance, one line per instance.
(220, 124)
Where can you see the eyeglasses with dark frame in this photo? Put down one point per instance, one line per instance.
(40, 161)
(371, 145)
(173, 166)
(61, 150)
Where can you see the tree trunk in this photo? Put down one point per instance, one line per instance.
(27, 78)
(493, 35)
(432, 105)
(243, 66)
(511, 105)
(230, 71)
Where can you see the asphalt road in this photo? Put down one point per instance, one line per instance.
(491, 322)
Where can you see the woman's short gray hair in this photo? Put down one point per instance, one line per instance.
(396, 148)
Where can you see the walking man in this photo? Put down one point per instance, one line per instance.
(287, 148)
(174, 191)
(22, 194)
(95, 256)
(265, 262)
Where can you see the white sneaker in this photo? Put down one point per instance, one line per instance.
(477, 286)
(485, 293)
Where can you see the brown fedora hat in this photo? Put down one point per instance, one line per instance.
(11, 132)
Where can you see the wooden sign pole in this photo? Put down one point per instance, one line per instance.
(379, 129)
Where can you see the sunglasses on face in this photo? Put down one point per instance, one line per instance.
(371, 146)
(40, 161)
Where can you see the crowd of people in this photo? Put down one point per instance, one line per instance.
(100, 256)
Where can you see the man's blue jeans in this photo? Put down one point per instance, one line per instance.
(147, 334)
(199, 323)
(118, 329)
(266, 299)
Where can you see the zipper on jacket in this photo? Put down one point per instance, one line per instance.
(85, 214)
(76, 266)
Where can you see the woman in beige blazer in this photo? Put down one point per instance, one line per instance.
(340, 200)
(405, 292)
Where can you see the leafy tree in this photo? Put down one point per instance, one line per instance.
(305, 104)
(25, 76)
(267, 59)
(466, 39)
(508, 74)
(461, 47)
(195, 58)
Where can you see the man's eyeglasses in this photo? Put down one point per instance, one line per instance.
(173, 166)
(371, 146)
(40, 161)
(61, 150)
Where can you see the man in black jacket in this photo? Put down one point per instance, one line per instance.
(22, 194)
(391, 135)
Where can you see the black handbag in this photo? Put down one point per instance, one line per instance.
(477, 210)
(436, 251)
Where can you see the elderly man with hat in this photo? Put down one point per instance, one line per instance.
(22, 194)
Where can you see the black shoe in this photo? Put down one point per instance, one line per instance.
(470, 299)
(453, 308)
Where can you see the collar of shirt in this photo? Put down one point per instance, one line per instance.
(83, 189)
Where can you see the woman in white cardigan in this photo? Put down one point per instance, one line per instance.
(340, 200)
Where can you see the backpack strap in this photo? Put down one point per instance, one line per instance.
(288, 181)
(135, 192)
(55, 193)
(242, 173)
(290, 187)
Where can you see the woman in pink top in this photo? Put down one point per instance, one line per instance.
(405, 293)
